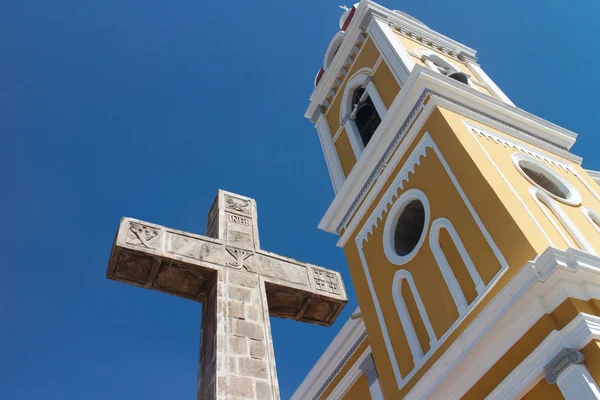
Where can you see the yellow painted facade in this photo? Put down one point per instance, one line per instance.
(415, 48)
(368, 62)
(485, 219)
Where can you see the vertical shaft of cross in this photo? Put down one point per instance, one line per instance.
(236, 356)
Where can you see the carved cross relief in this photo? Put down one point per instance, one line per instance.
(240, 286)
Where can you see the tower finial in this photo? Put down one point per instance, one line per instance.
(344, 8)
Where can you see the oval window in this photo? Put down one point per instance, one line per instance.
(546, 179)
(409, 228)
(406, 226)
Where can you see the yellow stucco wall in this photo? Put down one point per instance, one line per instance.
(557, 320)
(495, 160)
(359, 391)
(386, 85)
(483, 169)
(544, 391)
(445, 202)
(351, 361)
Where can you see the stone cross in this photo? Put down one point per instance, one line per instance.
(240, 286)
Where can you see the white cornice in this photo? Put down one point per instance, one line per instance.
(595, 175)
(366, 10)
(345, 343)
(537, 289)
(391, 133)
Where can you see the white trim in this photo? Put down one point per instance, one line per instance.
(334, 47)
(407, 324)
(392, 221)
(345, 384)
(332, 359)
(537, 289)
(334, 166)
(390, 48)
(445, 267)
(595, 175)
(576, 334)
(545, 204)
(593, 217)
(576, 383)
(376, 217)
(483, 77)
(541, 196)
(358, 190)
(361, 78)
(573, 196)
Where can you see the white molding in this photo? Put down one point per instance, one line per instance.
(334, 46)
(595, 175)
(576, 383)
(546, 204)
(334, 165)
(445, 267)
(537, 289)
(407, 324)
(345, 384)
(359, 185)
(392, 221)
(333, 359)
(366, 11)
(576, 334)
(390, 48)
(592, 216)
(566, 222)
(361, 78)
(573, 199)
(483, 77)
(376, 217)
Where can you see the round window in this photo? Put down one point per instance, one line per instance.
(405, 227)
(409, 228)
(546, 179)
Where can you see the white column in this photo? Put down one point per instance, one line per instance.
(354, 137)
(376, 99)
(572, 377)
(576, 383)
(331, 157)
(368, 368)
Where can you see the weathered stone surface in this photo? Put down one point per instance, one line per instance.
(240, 286)
(258, 350)
(253, 367)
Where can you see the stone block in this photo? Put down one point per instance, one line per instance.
(253, 368)
(235, 309)
(240, 386)
(241, 294)
(258, 349)
(238, 345)
(244, 279)
(247, 329)
(263, 390)
(252, 312)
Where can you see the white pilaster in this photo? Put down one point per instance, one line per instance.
(331, 157)
(576, 383)
(572, 377)
(368, 368)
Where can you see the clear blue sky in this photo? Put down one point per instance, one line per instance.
(145, 108)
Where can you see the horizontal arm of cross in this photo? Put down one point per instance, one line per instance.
(186, 265)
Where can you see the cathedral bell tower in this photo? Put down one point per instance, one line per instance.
(471, 231)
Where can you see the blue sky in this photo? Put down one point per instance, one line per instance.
(146, 108)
